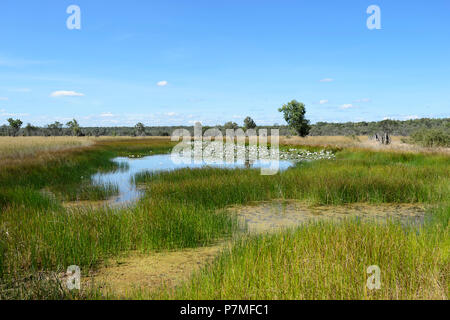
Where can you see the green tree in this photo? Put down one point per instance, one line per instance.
(15, 126)
(249, 123)
(140, 129)
(55, 129)
(74, 127)
(294, 114)
(231, 125)
(30, 129)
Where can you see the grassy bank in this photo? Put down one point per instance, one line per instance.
(184, 209)
(328, 261)
(355, 176)
(39, 235)
(65, 174)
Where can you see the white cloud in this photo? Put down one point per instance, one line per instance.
(20, 90)
(162, 83)
(18, 62)
(106, 115)
(3, 98)
(412, 117)
(362, 100)
(347, 106)
(4, 113)
(323, 101)
(171, 114)
(327, 80)
(64, 93)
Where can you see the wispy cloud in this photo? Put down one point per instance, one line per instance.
(64, 93)
(362, 100)
(347, 106)
(106, 115)
(327, 80)
(324, 101)
(3, 99)
(18, 62)
(22, 90)
(411, 117)
(162, 83)
(4, 113)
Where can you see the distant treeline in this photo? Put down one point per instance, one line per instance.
(394, 127)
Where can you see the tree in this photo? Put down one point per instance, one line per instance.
(75, 127)
(30, 129)
(55, 129)
(294, 114)
(249, 123)
(15, 125)
(231, 125)
(140, 129)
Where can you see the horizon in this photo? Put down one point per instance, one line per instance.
(275, 125)
(174, 63)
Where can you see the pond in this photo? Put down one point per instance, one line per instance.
(129, 167)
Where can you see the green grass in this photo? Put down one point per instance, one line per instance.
(327, 261)
(41, 235)
(363, 176)
(67, 174)
(184, 209)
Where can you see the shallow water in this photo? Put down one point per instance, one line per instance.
(129, 167)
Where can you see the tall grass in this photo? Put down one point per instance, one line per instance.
(66, 174)
(184, 209)
(18, 148)
(361, 176)
(35, 240)
(325, 260)
(42, 235)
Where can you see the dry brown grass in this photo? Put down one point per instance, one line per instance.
(21, 147)
(16, 149)
(359, 142)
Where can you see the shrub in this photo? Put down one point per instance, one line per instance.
(431, 138)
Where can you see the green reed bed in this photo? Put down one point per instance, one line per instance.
(326, 260)
(41, 235)
(66, 176)
(323, 260)
(35, 240)
(184, 209)
(366, 177)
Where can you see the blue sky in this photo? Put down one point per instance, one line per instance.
(175, 62)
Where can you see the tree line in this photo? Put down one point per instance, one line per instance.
(394, 127)
(293, 112)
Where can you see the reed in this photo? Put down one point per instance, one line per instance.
(185, 208)
(325, 260)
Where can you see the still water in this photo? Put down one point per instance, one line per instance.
(123, 178)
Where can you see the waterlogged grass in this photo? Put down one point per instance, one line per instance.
(66, 174)
(42, 240)
(67, 177)
(184, 209)
(38, 234)
(372, 177)
(327, 261)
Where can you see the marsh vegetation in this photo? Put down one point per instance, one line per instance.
(188, 208)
